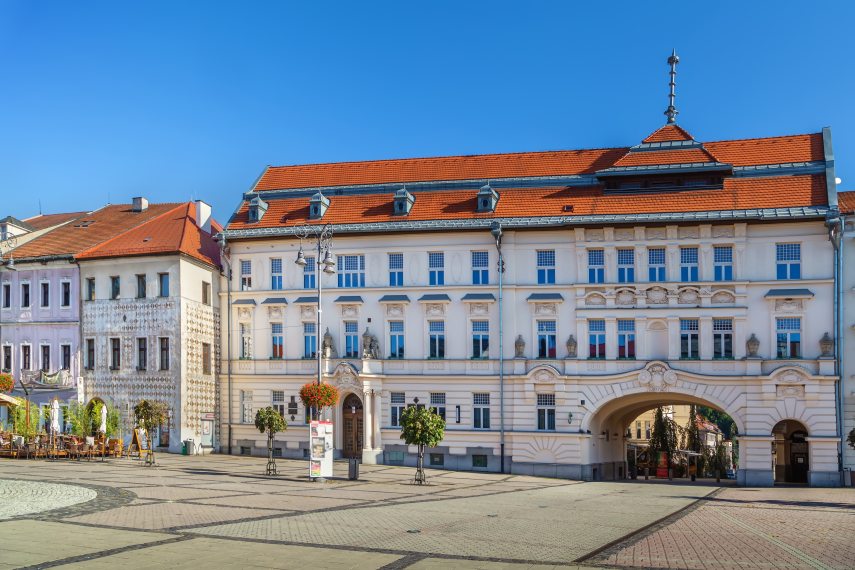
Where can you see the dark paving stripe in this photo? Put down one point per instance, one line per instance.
(104, 553)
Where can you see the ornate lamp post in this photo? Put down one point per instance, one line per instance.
(496, 231)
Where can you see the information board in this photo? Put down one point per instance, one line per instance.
(321, 448)
(141, 441)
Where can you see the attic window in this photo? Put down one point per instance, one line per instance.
(147, 239)
(84, 224)
(642, 184)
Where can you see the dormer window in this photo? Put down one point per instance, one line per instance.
(487, 199)
(403, 202)
(318, 205)
(257, 208)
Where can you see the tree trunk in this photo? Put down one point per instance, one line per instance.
(420, 469)
(271, 463)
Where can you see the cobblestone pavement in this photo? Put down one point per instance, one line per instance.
(218, 511)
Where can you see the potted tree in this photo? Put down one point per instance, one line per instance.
(663, 443)
(149, 414)
(268, 420)
(423, 428)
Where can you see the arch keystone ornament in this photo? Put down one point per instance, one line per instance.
(657, 377)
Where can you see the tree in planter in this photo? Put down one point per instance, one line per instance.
(316, 397)
(149, 414)
(268, 420)
(423, 428)
(663, 438)
(693, 440)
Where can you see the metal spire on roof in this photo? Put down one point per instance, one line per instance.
(671, 112)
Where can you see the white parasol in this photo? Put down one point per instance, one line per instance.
(103, 428)
(54, 416)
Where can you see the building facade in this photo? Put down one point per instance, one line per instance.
(670, 272)
(847, 327)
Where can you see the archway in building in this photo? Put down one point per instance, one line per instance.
(352, 427)
(790, 452)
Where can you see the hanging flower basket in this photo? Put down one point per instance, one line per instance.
(318, 396)
(6, 382)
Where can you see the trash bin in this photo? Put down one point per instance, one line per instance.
(353, 469)
(183, 448)
(189, 447)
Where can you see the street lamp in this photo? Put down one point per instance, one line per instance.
(496, 231)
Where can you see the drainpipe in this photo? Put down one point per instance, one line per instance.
(228, 333)
(496, 230)
(835, 224)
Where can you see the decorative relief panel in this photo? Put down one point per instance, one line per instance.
(244, 313)
(595, 235)
(789, 305)
(349, 311)
(435, 309)
(657, 377)
(478, 308)
(545, 309)
(625, 297)
(395, 310)
(723, 297)
(274, 312)
(307, 311)
(688, 296)
(689, 232)
(595, 299)
(624, 234)
(722, 231)
(657, 296)
(791, 391)
(656, 233)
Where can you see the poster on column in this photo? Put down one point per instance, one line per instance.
(321, 448)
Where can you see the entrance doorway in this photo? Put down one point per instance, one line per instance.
(352, 427)
(790, 453)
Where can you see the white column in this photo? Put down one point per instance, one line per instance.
(378, 402)
(673, 338)
(611, 338)
(367, 419)
(705, 333)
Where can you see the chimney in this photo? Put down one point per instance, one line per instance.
(140, 204)
(203, 215)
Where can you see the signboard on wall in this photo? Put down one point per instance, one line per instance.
(321, 449)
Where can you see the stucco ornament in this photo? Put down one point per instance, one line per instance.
(545, 377)
(791, 377)
(625, 297)
(519, 347)
(752, 345)
(328, 346)
(826, 346)
(657, 296)
(572, 345)
(723, 297)
(595, 299)
(370, 346)
(657, 378)
(688, 297)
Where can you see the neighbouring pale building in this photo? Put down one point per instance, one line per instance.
(847, 294)
(150, 318)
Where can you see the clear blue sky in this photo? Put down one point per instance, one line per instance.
(173, 100)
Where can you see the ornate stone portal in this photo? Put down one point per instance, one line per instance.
(657, 377)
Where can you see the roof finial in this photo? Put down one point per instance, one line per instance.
(671, 112)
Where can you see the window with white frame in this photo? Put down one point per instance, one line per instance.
(26, 358)
(546, 345)
(164, 353)
(480, 268)
(723, 263)
(656, 264)
(437, 403)
(545, 266)
(90, 354)
(351, 339)
(351, 271)
(45, 358)
(638, 430)
(309, 272)
(689, 339)
(276, 273)
(45, 294)
(789, 337)
(788, 257)
(396, 339)
(246, 275)
(25, 295)
(688, 264)
(647, 429)
(163, 284)
(277, 341)
(7, 358)
(546, 412)
(398, 403)
(596, 338)
(596, 266)
(245, 340)
(626, 338)
(278, 402)
(310, 340)
(626, 265)
(65, 294)
(436, 268)
(115, 354)
(436, 339)
(90, 288)
(396, 270)
(141, 286)
(142, 353)
(481, 411)
(7, 295)
(115, 287)
(722, 338)
(480, 339)
(246, 407)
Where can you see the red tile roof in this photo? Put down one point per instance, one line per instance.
(648, 158)
(668, 133)
(773, 150)
(846, 201)
(43, 221)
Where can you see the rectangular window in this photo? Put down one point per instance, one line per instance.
(164, 353)
(7, 295)
(206, 358)
(647, 429)
(688, 264)
(142, 353)
(115, 287)
(546, 412)
(396, 270)
(437, 403)
(45, 290)
(437, 459)
(637, 430)
(398, 403)
(351, 271)
(351, 339)
(479, 461)
(310, 340)
(277, 348)
(25, 295)
(278, 402)
(309, 271)
(722, 338)
(90, 354)
(596, 338)
(689, 339)
(206, 293)
(546, 345)
(480, 339)
(276, 274)
(141, 286)
(26, 358)
(115, 354)
(163, 284)
(246, 275)
(626, 266)
(481, 411)
(7, 358)
(546, 267)
(723, 263)
(789, 337)
(480, 268)
(436, 268)
(788, 257)
(396, 339)
(626, 338)
(45, 358)
(246, 410)
(656, 264)
(65, 294)
(90, 288)
(596, 266)
(245, 341)
(436, 339)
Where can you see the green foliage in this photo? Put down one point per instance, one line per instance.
(663, 436)
(19, 420)
(724, 422)
(422, 427)
(693, 434)
(150, 414)
(851, 438)
(80, 418)
(718, 460)
(268, 420)
(318, 396)
(113, 419)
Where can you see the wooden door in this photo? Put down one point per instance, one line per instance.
(353, 428)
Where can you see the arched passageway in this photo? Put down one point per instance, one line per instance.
(790, 452)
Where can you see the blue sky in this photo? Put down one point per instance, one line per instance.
(178, 100)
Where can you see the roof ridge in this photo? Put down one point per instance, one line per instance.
(126, 230)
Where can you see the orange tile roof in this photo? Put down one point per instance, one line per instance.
(846, 201)
(668, 133)
(43, 221)
(648, 158)
(172, 232)
(773, 150)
